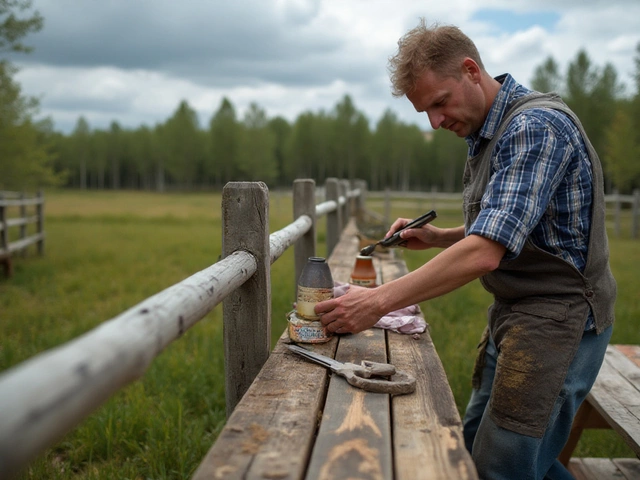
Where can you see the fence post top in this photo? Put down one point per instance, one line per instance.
(304, 180)
(260, 185)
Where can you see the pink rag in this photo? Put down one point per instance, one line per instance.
(405, 320)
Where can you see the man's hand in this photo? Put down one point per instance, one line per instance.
(352, 312)
(426, 236)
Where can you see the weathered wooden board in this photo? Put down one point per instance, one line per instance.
(630, 467)
(354, 440)
(605, 468)
(271, 431)
(616, 396)
(427, 431)
(632, 352)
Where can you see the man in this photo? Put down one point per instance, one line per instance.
(534, 234)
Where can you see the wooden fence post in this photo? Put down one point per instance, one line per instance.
(343, 189)
(387, 207)
(434, 197)
(304, 203)
(4, 228)
(635, 213)
(247, 310)
(361, 200)
(40, 225)
(617, 210)
(334, 220)
(23, 227)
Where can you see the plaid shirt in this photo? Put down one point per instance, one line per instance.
(541, 184)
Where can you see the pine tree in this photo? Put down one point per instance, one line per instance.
(25, 158)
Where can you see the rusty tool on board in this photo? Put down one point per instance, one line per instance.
(395, 239)
(363, 375)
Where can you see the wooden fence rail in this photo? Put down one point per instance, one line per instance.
(18, 204)
(44, 397)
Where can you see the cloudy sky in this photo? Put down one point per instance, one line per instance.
(133, 61)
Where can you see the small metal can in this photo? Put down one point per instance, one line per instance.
(307, 331)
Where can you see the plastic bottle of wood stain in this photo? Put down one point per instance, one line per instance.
(364, 273)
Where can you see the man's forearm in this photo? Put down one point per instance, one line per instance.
(464, 261)
(449, 236)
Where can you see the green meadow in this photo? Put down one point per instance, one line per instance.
(107, 251)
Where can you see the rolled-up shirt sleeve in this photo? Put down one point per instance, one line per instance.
(529, 163)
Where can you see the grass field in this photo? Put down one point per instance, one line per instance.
(107, 251)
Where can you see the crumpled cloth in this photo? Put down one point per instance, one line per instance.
(405, 320)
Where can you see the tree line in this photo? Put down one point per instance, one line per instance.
(179, 153)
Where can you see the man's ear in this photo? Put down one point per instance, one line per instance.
(471, 68)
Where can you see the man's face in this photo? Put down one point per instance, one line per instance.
(456, 104)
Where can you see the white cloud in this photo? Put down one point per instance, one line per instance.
(133, 62)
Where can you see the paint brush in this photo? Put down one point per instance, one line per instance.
(395, 239)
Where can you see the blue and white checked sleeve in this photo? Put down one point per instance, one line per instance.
(532, 159)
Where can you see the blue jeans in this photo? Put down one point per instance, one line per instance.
(502, 454)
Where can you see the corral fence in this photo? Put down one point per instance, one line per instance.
(21, 225)
(44, 397)
(624, 203)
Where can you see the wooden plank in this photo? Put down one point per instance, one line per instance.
(616, 396)
(593, 469)
(630, 467)
(427, 429)
(354, 440)
(25, 242)
(271, 430)
(623, 364)
(632, 352)
(16, 222)
(577, 469)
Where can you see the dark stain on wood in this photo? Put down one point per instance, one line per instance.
(180, 325)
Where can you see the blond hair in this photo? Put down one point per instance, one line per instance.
(437, 48)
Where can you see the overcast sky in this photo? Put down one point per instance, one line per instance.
(133, 61)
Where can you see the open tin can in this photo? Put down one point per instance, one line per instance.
(307, 331)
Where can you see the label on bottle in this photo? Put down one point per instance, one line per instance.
(307, 299)
(364, 282)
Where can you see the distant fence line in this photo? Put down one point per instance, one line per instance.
(435, 200)
(15, 213)
(44, 397)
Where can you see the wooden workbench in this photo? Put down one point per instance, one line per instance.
(297, 421)
(614, 402)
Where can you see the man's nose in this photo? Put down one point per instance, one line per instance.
(435, 119)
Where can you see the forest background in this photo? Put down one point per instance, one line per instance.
(181, 154)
